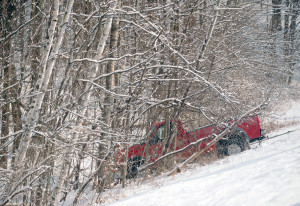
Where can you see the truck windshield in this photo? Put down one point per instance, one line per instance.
(158, 135)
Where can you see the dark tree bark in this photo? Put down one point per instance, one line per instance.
(276, 16)
(7, 12)
(292, 36)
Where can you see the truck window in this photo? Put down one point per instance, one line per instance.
(158, 136)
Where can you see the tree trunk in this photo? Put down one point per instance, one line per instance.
(208, 35)
(7, 12)
(295, 13)
(276, 16)
(109, 100)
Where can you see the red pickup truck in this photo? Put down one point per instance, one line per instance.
(246, 130)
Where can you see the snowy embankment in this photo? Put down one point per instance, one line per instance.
(267, 174)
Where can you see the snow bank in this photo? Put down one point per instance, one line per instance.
(268, 174)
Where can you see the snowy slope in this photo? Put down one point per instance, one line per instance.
(267, 174)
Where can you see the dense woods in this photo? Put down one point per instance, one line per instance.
(82, 80)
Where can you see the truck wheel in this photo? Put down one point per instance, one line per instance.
(132, 166)
(236, 144)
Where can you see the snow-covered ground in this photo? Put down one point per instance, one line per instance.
(267, 174)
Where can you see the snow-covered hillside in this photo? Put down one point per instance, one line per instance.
(268, 174)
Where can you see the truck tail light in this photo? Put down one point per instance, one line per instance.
(258, 121)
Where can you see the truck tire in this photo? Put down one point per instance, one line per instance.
(235, 146)
(236, 143)
(132, 166)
